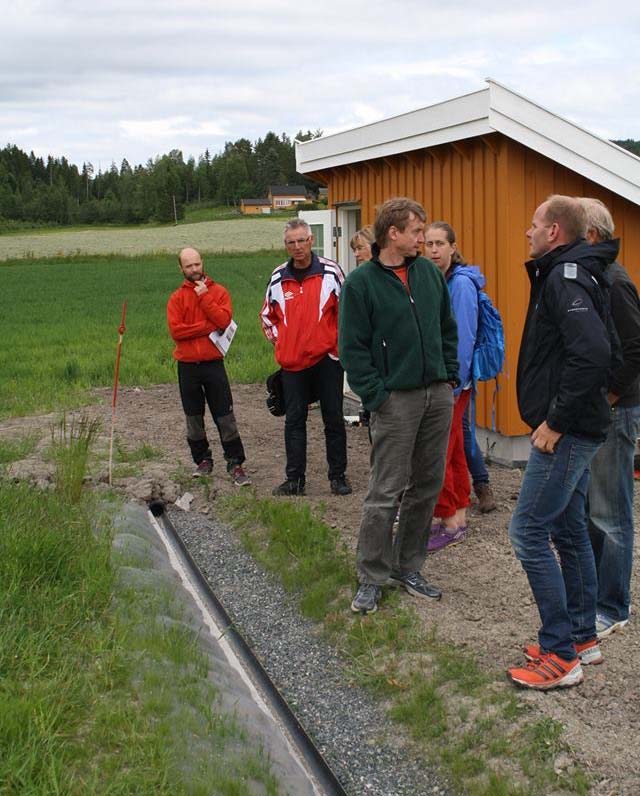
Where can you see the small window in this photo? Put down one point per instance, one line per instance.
(317, 230)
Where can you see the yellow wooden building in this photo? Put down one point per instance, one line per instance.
(255, 207)
(482, 162)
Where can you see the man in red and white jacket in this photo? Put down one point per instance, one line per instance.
(300, 317)
(197, 308)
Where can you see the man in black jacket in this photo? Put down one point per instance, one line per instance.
(611, 486)
(563, 368)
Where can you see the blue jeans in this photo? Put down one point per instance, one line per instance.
(472, 452)
(611, 513)
(552, 507)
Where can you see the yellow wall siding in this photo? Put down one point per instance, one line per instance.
(487, 188)
(250, 209)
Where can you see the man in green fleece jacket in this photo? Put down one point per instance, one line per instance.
(397, 342)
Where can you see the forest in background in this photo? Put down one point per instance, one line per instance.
(37, 191)
(42, 192)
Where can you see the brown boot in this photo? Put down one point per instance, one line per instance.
(486, 501)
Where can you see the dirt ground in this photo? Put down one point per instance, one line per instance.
(487, 605)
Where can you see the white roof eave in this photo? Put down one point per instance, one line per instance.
(442, 123)
(564, 142)
(397, 147)
(493, 109)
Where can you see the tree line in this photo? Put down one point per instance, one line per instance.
(630, 144)
(53, 191)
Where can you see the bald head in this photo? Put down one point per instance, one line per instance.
(191, 265)
(188, 255)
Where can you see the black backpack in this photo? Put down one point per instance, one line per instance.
(275, 394)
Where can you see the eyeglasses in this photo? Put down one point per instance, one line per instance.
(297, 242)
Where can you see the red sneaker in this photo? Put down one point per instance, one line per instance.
(205, 467)
(240, 478)
(548, 671)
(588, 652)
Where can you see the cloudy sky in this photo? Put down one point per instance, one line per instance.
(125, 78)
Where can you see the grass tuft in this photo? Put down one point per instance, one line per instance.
(71, 442)
(300, 547)
(423, 710)
(143, 453)
(543, 739)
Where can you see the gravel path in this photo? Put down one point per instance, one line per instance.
(351, 731)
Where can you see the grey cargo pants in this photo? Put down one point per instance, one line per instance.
(409, 436)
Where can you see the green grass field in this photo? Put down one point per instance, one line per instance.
(60, 324)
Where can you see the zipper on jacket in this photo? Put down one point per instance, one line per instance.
(407, 290)
(385, 359)
(415, 316)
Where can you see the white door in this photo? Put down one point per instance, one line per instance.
(322, 224)
(349, 222)
(349, 218)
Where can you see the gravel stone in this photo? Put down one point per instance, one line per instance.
(350, 729)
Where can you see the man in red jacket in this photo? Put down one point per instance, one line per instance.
(201, 306)
(300, 317)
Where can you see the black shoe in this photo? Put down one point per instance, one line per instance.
(366, 599)
(340, 486)
(415, 584)
(288, 488)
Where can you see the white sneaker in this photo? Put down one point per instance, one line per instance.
(605, 627)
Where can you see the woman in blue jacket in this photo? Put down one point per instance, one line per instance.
(464, 281)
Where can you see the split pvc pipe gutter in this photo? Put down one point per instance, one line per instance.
(241, 657)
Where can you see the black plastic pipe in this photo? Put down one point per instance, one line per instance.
(315, 762)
